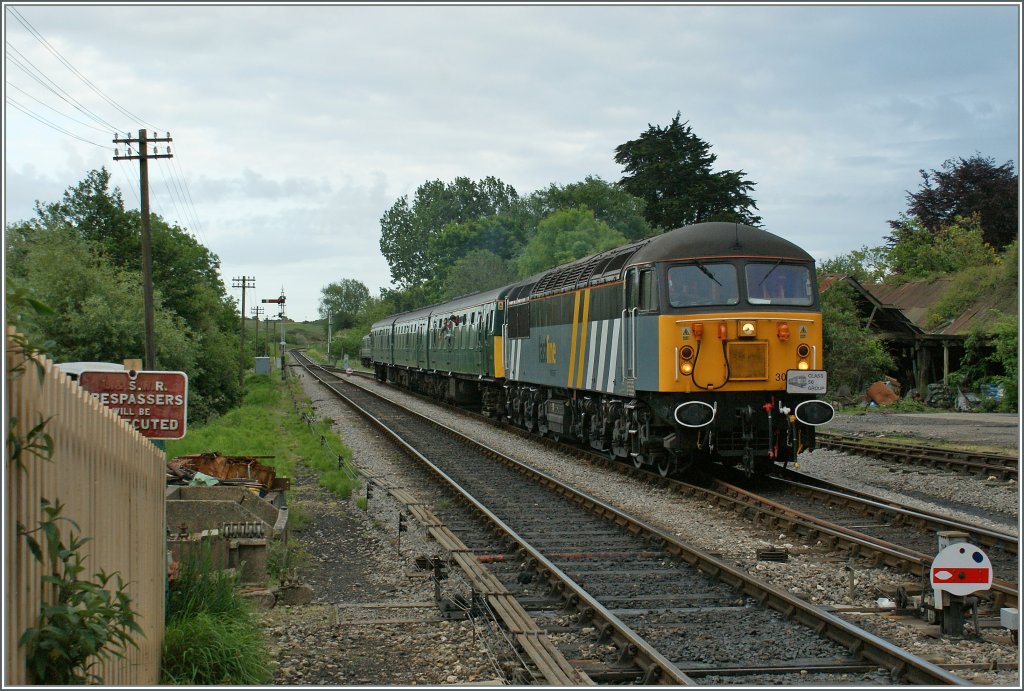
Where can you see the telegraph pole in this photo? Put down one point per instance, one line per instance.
(143, 157)
(256, 312)
(243, 283)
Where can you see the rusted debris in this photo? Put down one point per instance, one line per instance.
(232, 470)
(884, 392)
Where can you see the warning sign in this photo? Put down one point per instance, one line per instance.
(154, 403)
(961, 569)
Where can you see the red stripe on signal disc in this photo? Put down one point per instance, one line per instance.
(964, 575)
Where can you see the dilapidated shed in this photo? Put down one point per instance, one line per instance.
(902, 316)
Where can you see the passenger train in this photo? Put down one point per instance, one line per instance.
(699, 345)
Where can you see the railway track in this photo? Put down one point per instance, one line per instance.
(665, 606)
(1002, 466)
(876, 530)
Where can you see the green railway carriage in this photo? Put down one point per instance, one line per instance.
(448, 350)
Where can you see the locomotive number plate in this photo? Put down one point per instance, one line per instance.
(806, 381)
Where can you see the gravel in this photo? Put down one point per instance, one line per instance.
(355, 561)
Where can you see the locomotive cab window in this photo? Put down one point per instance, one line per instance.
(690, 285)
(778, 284)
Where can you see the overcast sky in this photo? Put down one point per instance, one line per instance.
(296, 128)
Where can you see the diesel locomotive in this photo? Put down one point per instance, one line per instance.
(699, 345)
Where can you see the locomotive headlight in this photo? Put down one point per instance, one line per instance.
(686, 360)
(748, 330)
(802, 365)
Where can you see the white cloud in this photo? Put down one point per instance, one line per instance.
(296, 128)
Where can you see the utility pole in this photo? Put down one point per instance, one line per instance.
(243, 283)
(143, 157)
(256, 312)
(328, 335)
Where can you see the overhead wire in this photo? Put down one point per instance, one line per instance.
(49, 124)
(39, 37)
(177, 189)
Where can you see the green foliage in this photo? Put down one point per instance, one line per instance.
(206, 650)
(343, 301)
(610, 204)
(478, 271)
(670, 169)
(852, 356)
(867, 265)
(212, 635)
(407, 230)
(996, 283)
(992, 357)
(564, 236)
(81, 257)
(974, 186)
(80, 622)
(922, 253)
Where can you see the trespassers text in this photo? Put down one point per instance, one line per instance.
(107, 398)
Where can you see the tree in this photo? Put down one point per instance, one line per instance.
(619, 209)
(81, 256)
(921, 253)
(344, 301)
(867, 265)
(407, 230)
(478, 271)
(564, 236)
(852, 355)
(962, 188)
(671, 170)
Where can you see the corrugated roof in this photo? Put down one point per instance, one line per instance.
(915, 299)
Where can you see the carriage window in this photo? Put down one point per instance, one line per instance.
(778, 284)
(702, 284)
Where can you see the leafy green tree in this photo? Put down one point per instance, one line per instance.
(564, 236)
(97, 307)
(920, 253)
(853, 356)
(965, 187)
(619, 209)
(867, 265)
(671, 170)
(478, 271)
(98, 242)
(343, 300)
(407, 230)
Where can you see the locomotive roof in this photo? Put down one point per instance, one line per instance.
(705, 240)
(701, 240)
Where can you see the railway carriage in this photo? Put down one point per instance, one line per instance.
(701, 344)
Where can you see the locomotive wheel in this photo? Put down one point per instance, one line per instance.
(638, 461)
(665, 465)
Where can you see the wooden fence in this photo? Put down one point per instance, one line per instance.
(111, 481)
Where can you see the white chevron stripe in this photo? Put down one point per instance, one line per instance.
(613, 360)
(587, 383)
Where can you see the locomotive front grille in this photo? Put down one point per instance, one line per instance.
(747, 360)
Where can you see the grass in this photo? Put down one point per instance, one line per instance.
(212, 635)
(268, 424)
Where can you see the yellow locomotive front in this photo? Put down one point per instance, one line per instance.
(739, 350)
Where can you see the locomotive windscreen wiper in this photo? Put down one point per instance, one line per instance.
(769, 273)
(706, 272)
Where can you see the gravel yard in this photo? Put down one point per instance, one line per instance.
(371, 620)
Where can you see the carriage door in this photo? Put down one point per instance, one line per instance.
(631, 286)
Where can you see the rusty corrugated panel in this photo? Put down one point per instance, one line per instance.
(231, 468)
(915, 299)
